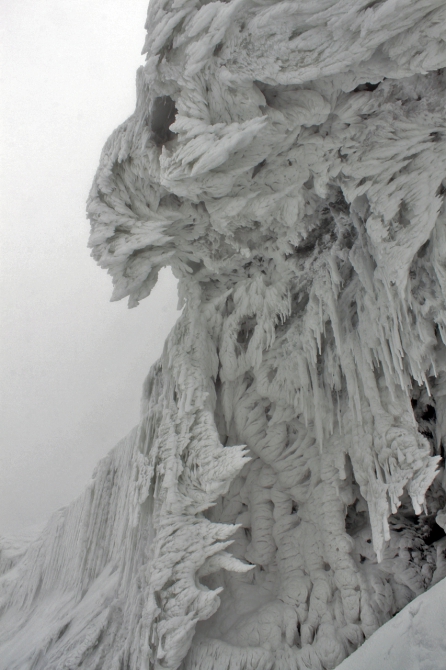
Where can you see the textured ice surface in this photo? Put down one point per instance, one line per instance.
(284, 494)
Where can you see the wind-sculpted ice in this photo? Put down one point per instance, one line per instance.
(284, 493)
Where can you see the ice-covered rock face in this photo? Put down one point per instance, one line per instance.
(288, 161)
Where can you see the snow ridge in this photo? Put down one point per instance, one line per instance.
(288, 161)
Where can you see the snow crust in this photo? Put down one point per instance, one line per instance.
(284, 493)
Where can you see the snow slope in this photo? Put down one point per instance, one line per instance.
(284, 493)
(414, 640)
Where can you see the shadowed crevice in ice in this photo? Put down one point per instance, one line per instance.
(162, 116)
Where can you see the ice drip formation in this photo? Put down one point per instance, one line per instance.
(284, 493)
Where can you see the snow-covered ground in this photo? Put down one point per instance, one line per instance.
(415, 639)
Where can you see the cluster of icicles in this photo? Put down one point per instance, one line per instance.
(284, 493)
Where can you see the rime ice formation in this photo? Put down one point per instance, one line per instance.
(284, 494)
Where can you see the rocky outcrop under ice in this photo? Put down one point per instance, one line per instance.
(284, 494)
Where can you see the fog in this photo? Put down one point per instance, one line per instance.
(72, 363)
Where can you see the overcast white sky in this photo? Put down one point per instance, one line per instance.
(72, 363)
